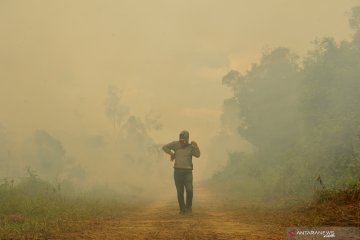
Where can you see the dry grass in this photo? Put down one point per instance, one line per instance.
(328, 208)
(34, 209)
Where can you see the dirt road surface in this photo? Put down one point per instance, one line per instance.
(212, 219)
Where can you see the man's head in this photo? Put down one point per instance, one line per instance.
(184, 137)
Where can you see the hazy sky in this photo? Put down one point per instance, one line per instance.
(57, 58)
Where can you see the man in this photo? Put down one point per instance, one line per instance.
(181, 151)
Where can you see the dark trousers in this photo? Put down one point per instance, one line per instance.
(184, 179)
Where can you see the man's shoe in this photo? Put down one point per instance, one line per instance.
(182, 212)
(188, 211)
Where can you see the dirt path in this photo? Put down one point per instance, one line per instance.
(211, 219)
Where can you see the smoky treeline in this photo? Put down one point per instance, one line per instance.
(302, 118)
(125, 161)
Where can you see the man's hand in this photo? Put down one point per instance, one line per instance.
(172, 156)
(194, 144)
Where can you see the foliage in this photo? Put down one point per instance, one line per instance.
(302, 119)
(50, 154)
(36, 209)
(349, 194)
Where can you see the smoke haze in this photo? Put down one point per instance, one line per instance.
(91, 90)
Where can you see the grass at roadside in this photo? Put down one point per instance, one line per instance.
(327, 207)
(334, 207)
(35, 209)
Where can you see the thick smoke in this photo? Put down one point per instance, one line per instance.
(127, 160)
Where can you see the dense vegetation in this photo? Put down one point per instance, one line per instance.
(302, 117)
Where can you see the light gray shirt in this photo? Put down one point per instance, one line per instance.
(183, 155)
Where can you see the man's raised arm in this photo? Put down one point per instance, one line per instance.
(195, 150)
(170, 149)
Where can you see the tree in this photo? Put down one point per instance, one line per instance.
(114, 109)
(50, 155)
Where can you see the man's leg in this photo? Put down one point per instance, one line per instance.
(189, 190)
(179, 183)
